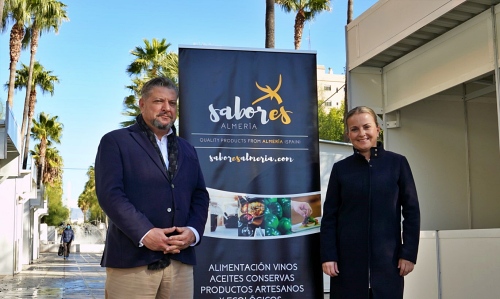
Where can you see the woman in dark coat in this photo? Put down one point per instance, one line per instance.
(362, 247)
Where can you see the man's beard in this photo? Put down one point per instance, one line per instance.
(158, 125)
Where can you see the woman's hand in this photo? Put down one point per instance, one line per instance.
(405, 267)
(331, 269)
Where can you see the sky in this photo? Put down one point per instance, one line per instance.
(91, 51)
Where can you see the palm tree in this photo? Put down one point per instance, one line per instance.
(47, 130)
(1, 10)
(269, 23)
(151, 61)
(306, 10)
(45, 82)
(87, 201)
(131, 110)
(46, 15)
(53, 164)
(130, 102)
(15, 11)
(170, 68)
(52, 179)
(350, 9)
(84, 203)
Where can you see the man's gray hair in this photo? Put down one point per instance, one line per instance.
(159, 81)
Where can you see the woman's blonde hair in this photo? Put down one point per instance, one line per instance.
(359, 110)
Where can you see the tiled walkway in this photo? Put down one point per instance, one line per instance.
(78, 277)
(51, 276)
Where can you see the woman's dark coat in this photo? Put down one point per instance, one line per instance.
(361, 224)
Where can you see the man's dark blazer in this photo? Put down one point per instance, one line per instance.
(133, 190)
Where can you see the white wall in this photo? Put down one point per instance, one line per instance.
(365, 88)
(459, 55)
(25, 257)
(422, 283)
(452, 148)
(469, 264)
(7, 220)
(432, 136)
(484, 164)
(463, 262)
(329, 153)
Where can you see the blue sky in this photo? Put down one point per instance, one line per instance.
(90, 53)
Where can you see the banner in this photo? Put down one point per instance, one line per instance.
(251, 114)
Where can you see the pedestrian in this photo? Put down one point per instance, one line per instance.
(67, 237)
(362, 247)
(150, 184)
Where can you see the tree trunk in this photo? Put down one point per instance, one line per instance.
(41, 169)
(299, 28)
(16, 37)
(25, 133)
(350, 9)
(269, 23)
(31, 112)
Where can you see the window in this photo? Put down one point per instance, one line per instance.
(327, 87)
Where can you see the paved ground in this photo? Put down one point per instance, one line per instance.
(51, 276)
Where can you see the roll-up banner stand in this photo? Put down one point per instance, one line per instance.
(251, 114)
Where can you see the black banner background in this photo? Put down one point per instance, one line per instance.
(252, 116)
(216, 77)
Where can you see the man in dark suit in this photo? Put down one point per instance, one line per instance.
(150, 185)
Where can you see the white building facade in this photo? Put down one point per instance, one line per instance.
(20, 202)
(331, 91)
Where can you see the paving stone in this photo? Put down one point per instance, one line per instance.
(51, 277)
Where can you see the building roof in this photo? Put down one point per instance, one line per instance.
(427, 30)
